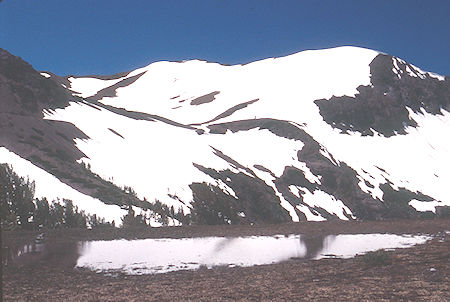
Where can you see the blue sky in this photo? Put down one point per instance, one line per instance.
(104, 37)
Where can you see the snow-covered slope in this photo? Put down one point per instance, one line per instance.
(289, 134)
(50, 187)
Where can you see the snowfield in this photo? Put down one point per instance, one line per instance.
(157, 158)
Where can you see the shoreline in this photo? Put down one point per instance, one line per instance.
(418, 273)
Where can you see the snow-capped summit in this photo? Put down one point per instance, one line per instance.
(337, 133)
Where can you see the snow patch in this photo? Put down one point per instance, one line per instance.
(310, 216)
(320, 199)
(410, 72)
(427, 206)
(225, 188)
(269, 180)
(436, 76)
(295, 190)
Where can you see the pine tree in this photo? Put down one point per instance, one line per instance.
(69, 215)
(42, 213)
(56, 215)
(17, 194)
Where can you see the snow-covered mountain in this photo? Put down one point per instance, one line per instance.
(338, 133)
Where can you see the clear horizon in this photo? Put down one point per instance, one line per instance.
(107, 37)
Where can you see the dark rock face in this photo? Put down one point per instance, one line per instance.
(254, 197)
(24, 94)
(207, 98)
(24, 91)
(382, 106)
(50, 145)
(339, 181)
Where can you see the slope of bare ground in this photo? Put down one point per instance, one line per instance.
(419, 273)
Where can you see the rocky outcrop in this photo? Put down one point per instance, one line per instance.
(382, 106)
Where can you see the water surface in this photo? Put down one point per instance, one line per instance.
(150, 256)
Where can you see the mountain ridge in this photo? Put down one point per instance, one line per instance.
(254, 143)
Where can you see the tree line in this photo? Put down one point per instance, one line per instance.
(20, 210)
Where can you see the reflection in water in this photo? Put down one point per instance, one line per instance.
(61, 254)
(313, 244)
(149, 256)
